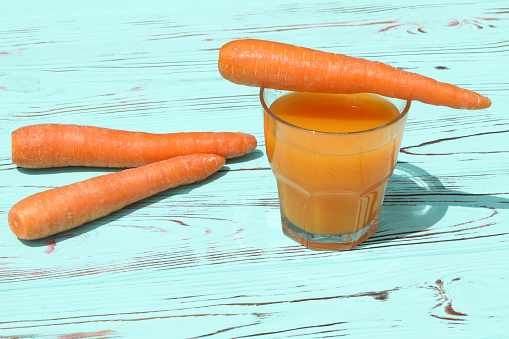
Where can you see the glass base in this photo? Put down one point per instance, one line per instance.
(330, 242)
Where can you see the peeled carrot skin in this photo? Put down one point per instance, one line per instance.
(281, 66)
(59, 145)
(64, 208)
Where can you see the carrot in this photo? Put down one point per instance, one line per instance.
(281, 66)
(57, 145)
(61, 209)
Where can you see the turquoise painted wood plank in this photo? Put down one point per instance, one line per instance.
(209, 260)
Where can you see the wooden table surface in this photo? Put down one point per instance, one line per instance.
(209, 259)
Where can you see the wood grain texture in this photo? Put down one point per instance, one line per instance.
(209, 260)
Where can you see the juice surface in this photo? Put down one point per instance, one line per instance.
(334, 113)
(324, 186)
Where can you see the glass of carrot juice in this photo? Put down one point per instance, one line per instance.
(332, 155)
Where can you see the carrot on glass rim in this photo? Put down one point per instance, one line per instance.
(282, 66)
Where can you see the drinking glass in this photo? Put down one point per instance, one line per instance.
(330, 185)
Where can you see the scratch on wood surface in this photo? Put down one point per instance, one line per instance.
(449, 310)
(406, 149)
(377, 295)
(488, 19)
(112, 320)
(434, 241)
(420, 29)
(18, 50)
(96, 334)
(39, 43)
(123, 106)
(146, 228)
(169, 36)
(442, 299)
(453, 22)
(389, 27)
(51, 243)
(299, 329)
(225, 330)
(179, 222)
(308, 26)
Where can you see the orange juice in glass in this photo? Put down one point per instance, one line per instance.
(332, 155)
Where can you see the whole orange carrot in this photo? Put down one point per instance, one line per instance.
(58, 145)
(281, 66)
(61, 209)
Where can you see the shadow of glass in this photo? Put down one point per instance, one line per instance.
(415, 200)
(80, 230)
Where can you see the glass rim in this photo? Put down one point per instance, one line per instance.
(401, 115)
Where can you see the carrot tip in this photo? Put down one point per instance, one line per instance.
(487, 102)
